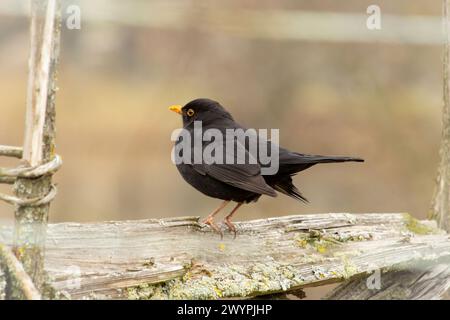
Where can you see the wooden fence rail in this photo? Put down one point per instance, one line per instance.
(180, 258)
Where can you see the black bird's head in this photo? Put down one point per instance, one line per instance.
(205, 110)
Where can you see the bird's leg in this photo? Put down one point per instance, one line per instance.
(227, 219)
(209, 220)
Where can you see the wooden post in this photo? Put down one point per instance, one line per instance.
(39, 143)
(440, 210)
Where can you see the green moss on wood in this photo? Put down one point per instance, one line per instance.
(415, 226)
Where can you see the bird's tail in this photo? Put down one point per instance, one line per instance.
(294, 162)
(314, 159)
(285, 186)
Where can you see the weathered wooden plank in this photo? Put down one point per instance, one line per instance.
(428, 282)
(180, 258)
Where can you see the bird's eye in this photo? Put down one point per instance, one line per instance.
(190, 112)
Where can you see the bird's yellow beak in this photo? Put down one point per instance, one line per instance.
(176, 108)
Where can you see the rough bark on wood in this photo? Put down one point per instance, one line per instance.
(180, 258)
(31, 221)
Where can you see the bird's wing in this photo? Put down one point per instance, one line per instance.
(244, 176)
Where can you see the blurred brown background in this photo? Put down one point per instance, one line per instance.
(380, 100)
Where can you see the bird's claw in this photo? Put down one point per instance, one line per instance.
(231, 227)
(210, 222)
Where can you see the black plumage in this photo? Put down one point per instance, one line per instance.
(241, 183)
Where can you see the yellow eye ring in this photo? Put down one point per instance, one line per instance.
(190, 112)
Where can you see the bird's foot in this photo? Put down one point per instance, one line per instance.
(230, 226)
(210, 222)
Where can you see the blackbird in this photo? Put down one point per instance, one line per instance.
(241, 183)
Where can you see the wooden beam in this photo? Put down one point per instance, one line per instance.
(181, 258)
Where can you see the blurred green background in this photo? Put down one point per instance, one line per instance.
(380, 100)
